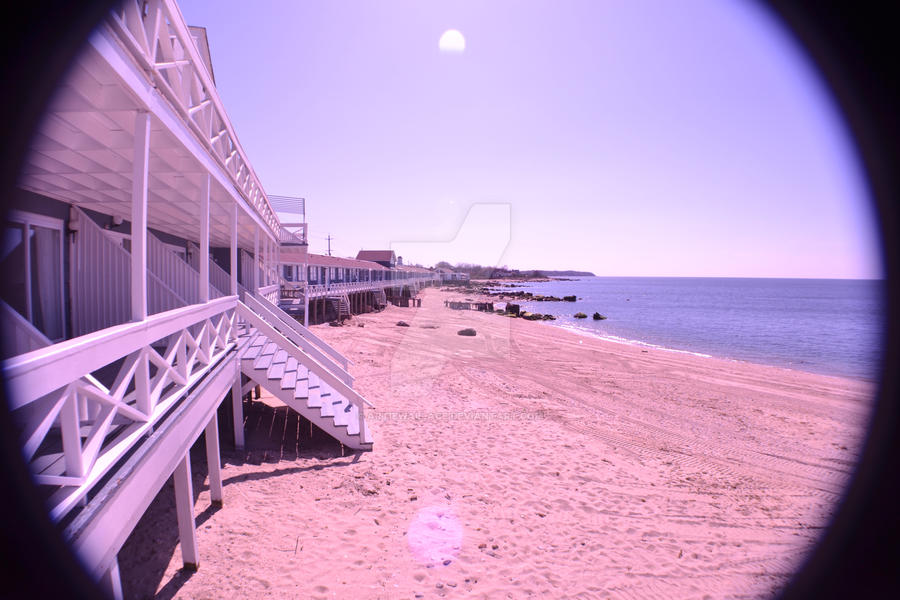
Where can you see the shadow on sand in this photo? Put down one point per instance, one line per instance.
(273, 435)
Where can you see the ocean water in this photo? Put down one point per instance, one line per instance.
(826, 326)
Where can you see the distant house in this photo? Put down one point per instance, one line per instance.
(450, 275)
(385, 258)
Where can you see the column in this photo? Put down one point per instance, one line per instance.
(112, 581)
(204, 239)
(256, 260)
(213, 460)
(139, 183)
(184, 509)
(237, 405)
(306, 295)
(234, 247)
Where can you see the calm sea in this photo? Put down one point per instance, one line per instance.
(825, 326)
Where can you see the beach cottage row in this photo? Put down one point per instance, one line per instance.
(145, 268)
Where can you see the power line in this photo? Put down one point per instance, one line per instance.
(329, 244)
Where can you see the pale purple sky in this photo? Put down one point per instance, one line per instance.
(626, 138)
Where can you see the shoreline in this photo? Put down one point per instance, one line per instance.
(575, 327)
(526, 459)
(641, 343)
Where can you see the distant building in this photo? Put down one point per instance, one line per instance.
(450, 275)
(385, 258)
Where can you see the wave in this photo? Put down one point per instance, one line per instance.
(620, 340)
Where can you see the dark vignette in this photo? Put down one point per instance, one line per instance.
(853, 46)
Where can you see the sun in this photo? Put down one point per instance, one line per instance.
(452, 41)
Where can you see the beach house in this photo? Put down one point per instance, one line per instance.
(146, 266)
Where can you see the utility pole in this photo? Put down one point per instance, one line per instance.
(329, 244)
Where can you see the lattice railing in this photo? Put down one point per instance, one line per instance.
(286, 236)
(155, 33)
(82, 404)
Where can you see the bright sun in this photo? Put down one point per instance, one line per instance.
(452, 41)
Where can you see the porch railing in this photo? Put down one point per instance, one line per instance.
(271, 292)
(286, 236)
(83, 403)
(157, 37)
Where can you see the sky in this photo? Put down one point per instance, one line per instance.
(624, 138)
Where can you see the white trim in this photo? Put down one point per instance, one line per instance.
(21, 216)
(27, 219)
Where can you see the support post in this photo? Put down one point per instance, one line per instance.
(204, 239)
(305, 296)
(184, 509)
(234, 249)
(237, 405)
(139, 184)
(213, 460)
(256, 260)
(112, 581)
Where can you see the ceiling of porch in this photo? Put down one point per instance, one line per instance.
(83, 154)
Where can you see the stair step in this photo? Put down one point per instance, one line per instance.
(265, 356)
(301, 387)
(281, 356)
(325, 399)
(251, 353)
(340, 406)
(276, 371)
(289, 380)
(292, 364)
(314, 392)
(353, 420)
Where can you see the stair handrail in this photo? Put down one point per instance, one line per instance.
(283, 321)
(247, 314)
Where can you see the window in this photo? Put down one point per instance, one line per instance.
(32, 257)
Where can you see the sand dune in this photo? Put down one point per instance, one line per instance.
(525, 461)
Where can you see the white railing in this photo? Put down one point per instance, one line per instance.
(19, 335)
(319, 290)
(271, 292)
(301, 337)
(219, 278)
(286, 236)
(75, 428)
(248, 318)
(156, 35)
(101, 281)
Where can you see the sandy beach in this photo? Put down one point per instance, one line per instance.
(524, 461)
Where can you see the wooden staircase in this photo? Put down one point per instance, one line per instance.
(342, 307)
(301, 373)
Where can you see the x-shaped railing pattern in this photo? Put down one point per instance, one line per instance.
(75, 433)
(157, 36)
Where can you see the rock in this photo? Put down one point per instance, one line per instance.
(549, 318)
(580, 315)
(468, 331)
(569, 298)
(512, 309)
(402, 324)
(335, 323)
(598, 317)
(360, 324)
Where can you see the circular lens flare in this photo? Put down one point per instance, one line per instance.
(435, 535)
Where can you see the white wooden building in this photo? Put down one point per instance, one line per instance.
(144, 280)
